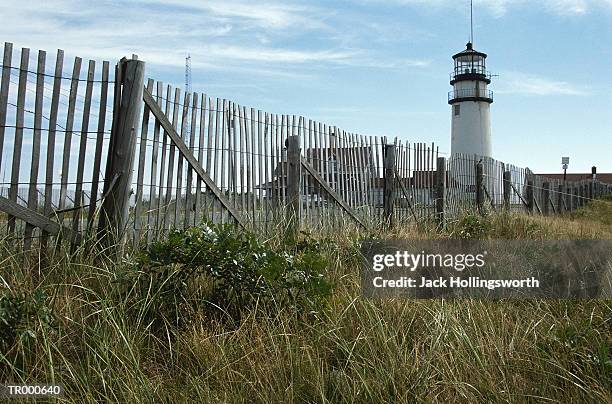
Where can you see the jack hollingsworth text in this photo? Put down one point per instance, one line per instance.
(456, 282)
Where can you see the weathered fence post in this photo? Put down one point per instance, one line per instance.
(294, 184)
(129, 84)
(530, 197)
(560, 199)
(546, 198)
(507, 184)
(389, 185)
(576, 197)
(440, 191)
(568, 198)
(480, 187)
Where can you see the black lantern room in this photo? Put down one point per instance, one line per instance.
(470, 66)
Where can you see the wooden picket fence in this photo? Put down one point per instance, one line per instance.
(111, 158)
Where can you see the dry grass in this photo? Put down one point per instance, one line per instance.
(356, 350)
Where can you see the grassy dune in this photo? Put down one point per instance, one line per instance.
(102, 346)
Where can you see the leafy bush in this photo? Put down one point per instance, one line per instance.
(235, 269)
(502, 225)
(471, 226)
(21, 315)
(596, 210)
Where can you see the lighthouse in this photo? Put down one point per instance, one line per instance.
(470, 102)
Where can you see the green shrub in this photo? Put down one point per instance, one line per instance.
(596, 210)
(471, 226)
(21, 317)
(233, 270)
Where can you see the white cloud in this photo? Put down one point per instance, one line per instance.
(568, 7)
(267, 14)
(499, 8)
(528, 84)
(235, 35)
(275, 55)
(388, 64)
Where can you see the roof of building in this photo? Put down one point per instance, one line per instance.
(603, 177)
(469, 51)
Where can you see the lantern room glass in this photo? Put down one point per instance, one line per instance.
(470, 64)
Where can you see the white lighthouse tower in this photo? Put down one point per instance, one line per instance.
(471, 102)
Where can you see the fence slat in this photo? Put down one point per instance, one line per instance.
(78, 195)
(358, 170)
(179, 170)
(198, 193)
(95, 180)
(264, 194)
(340, 164)
(367, 180)
(210, 149)
(249, 156)
(225, 135)
(278, 164)
(144, 133)
(170, 179)
(235, 157)
(377, 181)
(161, 204)
(240, 173)
(364, 171)
(271, 191)
(38, 106)
(189, 202)
(4, 91)
(259, 138)
(19, 123)
(74, 85)
(307, 186)
(188, 197)
(218, 131)
(50, 157)
(153, 177)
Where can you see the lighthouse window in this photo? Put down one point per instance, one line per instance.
(457, 109)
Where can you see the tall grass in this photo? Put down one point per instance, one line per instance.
(104, 346)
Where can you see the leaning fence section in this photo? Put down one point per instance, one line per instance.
(203, 158)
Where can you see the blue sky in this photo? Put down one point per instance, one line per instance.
(371, 67)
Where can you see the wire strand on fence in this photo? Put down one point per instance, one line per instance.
(53, 76)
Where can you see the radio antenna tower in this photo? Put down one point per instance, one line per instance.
(188, 91)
